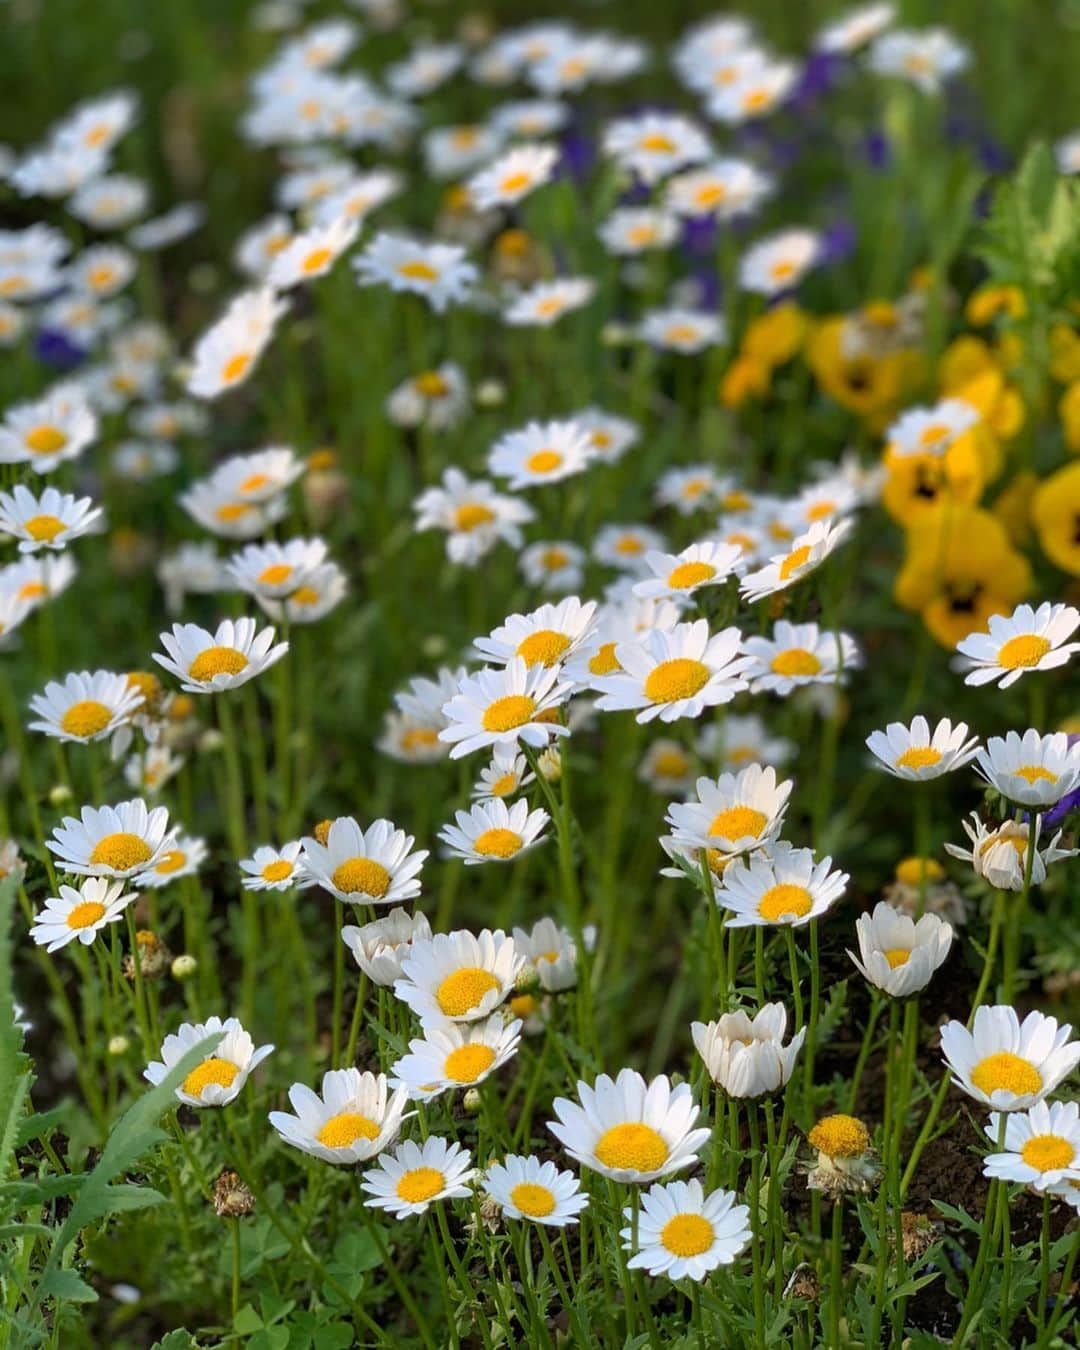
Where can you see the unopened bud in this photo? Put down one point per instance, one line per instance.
(118, 1045)
(471, 1101)
(184, 966)
(490, 394)
(59, 795)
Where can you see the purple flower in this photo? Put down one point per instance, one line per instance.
(56, 349)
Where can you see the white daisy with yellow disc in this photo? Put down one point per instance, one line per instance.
(125, 840)
(786, 887)
(916, 753)
(414, 1176)
(352, 1119)
(209, 663)
(491, 831)
(899, 954)
(220, 1077)
(376, 866)
(1041, 1146)
(454, 1055)
(526, 1188)
(1008, 1064)
(80, 914)
(1029, 768)
(459, 976)
(86, 706)
(683, 1233)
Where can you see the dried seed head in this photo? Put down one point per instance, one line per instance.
(803, 1283)
(232, 1199)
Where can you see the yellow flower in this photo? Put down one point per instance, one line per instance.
(1064, 353)
(869, 385)
(999, 405)
(960, 568)
(1069, 408)
(744, 379)
(988, 302)
(962, 360)
(918, 484)
(776, 336)
(1055, 512)
(1013, 506)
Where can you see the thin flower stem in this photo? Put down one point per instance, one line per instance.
(756, 1248)
(812, 1025)
(401, 1287)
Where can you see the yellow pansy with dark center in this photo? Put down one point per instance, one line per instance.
(418, 270)
(1023, 652)
(1006, 1072)
(840, 1136)
(498, 843)
(277, 871)
(120, 852)
(471, 515)
(795, 559)
(361, 876)
(737, 822)
(464, 990)
(785, 899)
(420, 1184)
(632, 1147)
(795, 661)
(1048, 1152)
(86, 718)
(217, 661)
(676, 679)
(513, 710)
(532, 1199)
(542, 648)
(468, 1062)
(687, 1235)
(235, 368)
(544, 461)
(918, 757)
(213, 1070)
(44, 528)
(344, 1129)
(84, 914)
(689, 574)
(45, 439)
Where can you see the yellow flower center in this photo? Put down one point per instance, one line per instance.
(634, 1147)
(217, 661)
(304, 595)
(513, 710)
(361, 876)
(794, 560)
(318, 257)
(1007, 1072)
(670, 764)
(464, 990)
(896, 956)
(419, 738)
(795, 661)
(418, 270)
(708, 195)
(212, 1070)
(676, 679)
(933, 435)
(235, 368)
(232, 511)
(681, 332)
(44, 528)
(12, 285)
(690, 574)
(346, 1128)
(687, 1235)
(86, 718)
(658, 144)
(840, 1137)
(910, 871)
(46, 440)
(918, 757)
(781, 271)
(1034, 773)
(171, 861)
(431, 384)
(738, 822)
(542, 648)
(516, 182)
(785, 899)
(498, 843)
(275, 574)
(1048, 1152)
(33, 590)
(544, 461)
(532, 1199)
(468, 1062)
(1023, 652)
(502, 787)
(120, 852)
(277, 871)
(420, 1184)
(471, 515)
(84, 914)
(604, 662)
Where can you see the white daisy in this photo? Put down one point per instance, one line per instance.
(786, 887)
(930, 431)
(474, 515)
(747, 1056)
(380, 947)
(758, 89)
(855, 29)
(436, 399)
(685, 331)
(512, 176)
(358, 197)
(808, 551)
(610, 436)
(723, 188)
(208, 663)
(213, 504)
(375, 866)
(547, 301)
(312, 254)
(81, 913)
(49, 431)
(916, 753)
(540, 452)
(797, 655)
(1008, 1064)
(493, 832)
(348, 1122)
(625, 546)
(506, 775)
(653, 145)
(675, 674)
(52, 520)
(1025, 640)
(220, 1077)
(555, 565)
(182, 859)
(517, 703)
(87, 706)
(780, 262)
(415, 1176)
(899, 954)
(547, 637)
(526, 1188)
(667, 767)
(438, 273)
(681, 574)
(683, 1233)
(629, 1129)
(631, 230)
(552, 951)
(688, 489)
(119, 841)
(1041, 1147)
(273, 869)
(450, 1056)
(743, 739)
(451, 151)
(926, 57)
(459, 976)
(1000, 854)
(102, 270)
(150, 770)
(409, 740)
(110, 202)
(1031, 769)
(735, 813)
(321, 591)
(228, 352)
(272, 570)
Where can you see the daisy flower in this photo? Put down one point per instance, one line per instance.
(808, 551)
(375, 866)
(609, 436)
(625, 546)
(628, 1129)
(87, 706)
(81, 913)
(845, 1157)
(458, 977)
(415, 1176)
(208, 663)
(786, 887)
(215, 505)
(182, 859)
(916, 753)
(227, 353)
(13, 610)
(526, 1188)
(548, 301)
(424, 698)
(52, 520)
(930, 431)
(624, 618)
(1008, 1064)
(474, 515)
(530, 117)
(348, 1122)
(436, 399)
(493, 832)
(220, 1077)
(410, 740)
(271, 571)
(683, 1233)
(747, 1056)
(119, 841)
(110, 202)
(654, 145)
(631, 230)
(273, 869)
(855, 29)
(505, 776)
(926, 57)
(688, 489)
(312, 254)
(149, 771)
(898, 954)
(556, 565)
(438, 273)
(452, 151)
(322, 590)
(667, 767)
(756, 90)
(685, 331)
(675, 674)
(681, 574)
(450, 1056)
(512, 176)
(507, 706)
(552, 951)
(797, 655)
(1041, 1147)
(1000, 854)
(258, 478)
(380, 947)
(547, 637)
(97, 124)
(1031, 769)
(355, 199)
(744, 739)
(102, 270)
(780, 262)
(1028, 639)
(723, 189)
(48, 431)
(540, 452)
(735, 813)
(257, 247)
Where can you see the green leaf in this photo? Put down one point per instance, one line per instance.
(14, 1066)
(66, 1284)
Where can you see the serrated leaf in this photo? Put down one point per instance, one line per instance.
(66, 1284)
